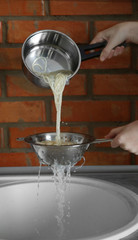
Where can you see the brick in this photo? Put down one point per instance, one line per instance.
(14, 159)
(119, 62)
(100, 132)
(18, 85)
(136, 157)
(107, 158)
(0, 90)
(2, 140)
(136, 114)
(102, 7)
(32, 111)
(10, 58)
(1, 34)
(15, 133)
(102, 25)
(115, 84)
(22, 8)
(77, 30)
(90, 111)
(77, 86)
(136, 52)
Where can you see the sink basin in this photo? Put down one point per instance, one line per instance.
(98, 210)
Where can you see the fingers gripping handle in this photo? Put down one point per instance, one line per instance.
(96, 50)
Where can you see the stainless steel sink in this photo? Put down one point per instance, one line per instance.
(99, 209)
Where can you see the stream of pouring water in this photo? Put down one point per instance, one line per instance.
(61, 173)
(62, 180)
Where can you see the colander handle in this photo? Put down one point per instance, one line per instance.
(20, 139)
(86, 48)
(102, 140)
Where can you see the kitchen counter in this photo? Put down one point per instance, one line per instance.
(126, 176)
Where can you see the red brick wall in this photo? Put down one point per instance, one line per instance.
(100, 97)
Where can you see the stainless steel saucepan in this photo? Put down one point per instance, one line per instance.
(50, 51)
(71, 152)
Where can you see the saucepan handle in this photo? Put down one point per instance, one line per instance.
(87, 54)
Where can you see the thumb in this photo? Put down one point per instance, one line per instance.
(115, 143)
(118, 141)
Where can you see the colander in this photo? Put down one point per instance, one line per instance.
(62, 154)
